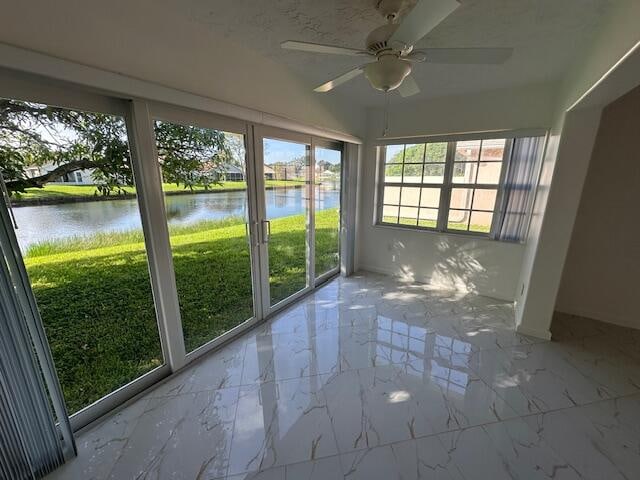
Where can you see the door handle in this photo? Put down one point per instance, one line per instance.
(266, 236)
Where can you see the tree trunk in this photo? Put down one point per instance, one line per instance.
(38, 182)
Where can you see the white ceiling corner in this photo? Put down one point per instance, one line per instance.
(546, 34)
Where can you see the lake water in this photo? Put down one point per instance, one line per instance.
(49, 222)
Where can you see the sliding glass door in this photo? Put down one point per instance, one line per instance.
(69, 177)
(299, 180)
(204, 181)
(285, 209)
(327, 196)
(150, 234)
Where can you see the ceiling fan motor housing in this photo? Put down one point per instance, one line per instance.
(387, 73)
(377, 40)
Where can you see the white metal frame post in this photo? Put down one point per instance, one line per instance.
(254, 174)
(311, 214)
(154, 224)
(348, 204)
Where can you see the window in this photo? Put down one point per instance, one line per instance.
(413, 181)
(86, 259)
(206, 214)
(443, 186)
(476, 177)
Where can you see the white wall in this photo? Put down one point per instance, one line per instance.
(551, 229)
(479, 265)
(600, 278)
(565, 168)
(157, 41)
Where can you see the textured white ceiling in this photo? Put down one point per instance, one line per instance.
(547, 36)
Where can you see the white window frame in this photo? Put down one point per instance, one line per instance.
(139, 114)
(445, 187)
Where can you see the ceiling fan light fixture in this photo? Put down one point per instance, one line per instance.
(387, 73)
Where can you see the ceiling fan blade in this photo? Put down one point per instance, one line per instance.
(345, 77)
(416, 56)
(471, 56)
(408, 87)
(423, 18)
(321, 48)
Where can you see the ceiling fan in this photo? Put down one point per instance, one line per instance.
(392, 47)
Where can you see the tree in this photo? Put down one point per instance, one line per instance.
(35, 135)
(414, 155)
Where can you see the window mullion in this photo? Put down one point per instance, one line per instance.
(382, 165)
(424, 159)
(404, 152)
(445, 195)
(500, 206)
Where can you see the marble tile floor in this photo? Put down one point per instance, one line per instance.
(371, 378)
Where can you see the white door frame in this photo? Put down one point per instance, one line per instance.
(337, 146)
(260, 132)
(139, 115)
(189, 117)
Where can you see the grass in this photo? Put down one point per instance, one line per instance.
(97, 306)
(52, 192)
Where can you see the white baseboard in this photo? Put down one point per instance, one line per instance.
(543, 334)
(426, 280)
(605, 317)
(372, 269)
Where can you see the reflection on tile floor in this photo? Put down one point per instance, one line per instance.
(370, 378)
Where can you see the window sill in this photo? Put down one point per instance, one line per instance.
(469, 235)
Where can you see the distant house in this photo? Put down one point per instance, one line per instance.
(231, 173)
(84, 177)
(286, 171)
(221, 173)
(79, 177)
(269, 173)
(327, 176)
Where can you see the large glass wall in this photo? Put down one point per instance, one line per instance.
(286, 196)
(70, 181)
(328, 171)
(205, 186)
(69, 175)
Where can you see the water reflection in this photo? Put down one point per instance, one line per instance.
(50, 222)
(335, 374)
(311, 391)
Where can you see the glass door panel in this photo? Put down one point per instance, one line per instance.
(328, 173)
(286, 201)
(70, 180)
(205, 186)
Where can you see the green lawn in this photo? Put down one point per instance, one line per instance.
(52, 191)
(96, 303)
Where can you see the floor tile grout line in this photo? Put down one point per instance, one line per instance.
(489, 423)
(440, 434)
(126, 443)
(539, 345)
(235, 414)
(392, 365)
(244, 348)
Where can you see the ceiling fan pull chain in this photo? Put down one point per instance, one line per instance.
(386, 114)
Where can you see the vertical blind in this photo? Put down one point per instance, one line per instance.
(32, 444)
(519, 188)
